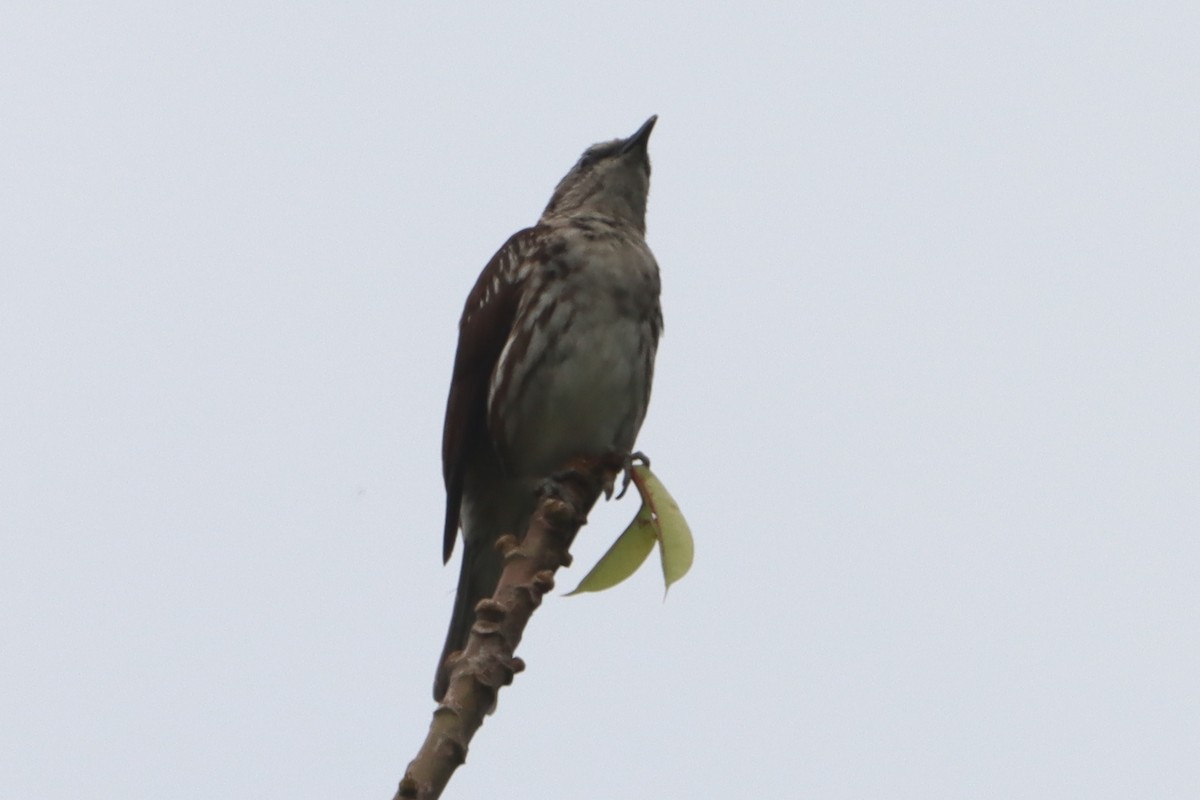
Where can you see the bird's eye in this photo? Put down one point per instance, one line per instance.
(599, 152)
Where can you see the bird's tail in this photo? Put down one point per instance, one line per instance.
(477, 579)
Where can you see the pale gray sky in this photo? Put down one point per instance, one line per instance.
(928, 395)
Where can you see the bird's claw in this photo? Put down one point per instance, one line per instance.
(627, 466)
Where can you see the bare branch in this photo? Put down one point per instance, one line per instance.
(487, 662)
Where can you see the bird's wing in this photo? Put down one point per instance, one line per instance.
(483, 331)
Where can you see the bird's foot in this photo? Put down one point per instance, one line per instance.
(628, 462)
(586, 471)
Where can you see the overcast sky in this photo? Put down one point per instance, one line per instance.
(929, 396)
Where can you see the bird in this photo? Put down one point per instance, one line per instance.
(555, 359)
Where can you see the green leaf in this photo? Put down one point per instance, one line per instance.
(623, 558)
(674, 536)
(659, 519)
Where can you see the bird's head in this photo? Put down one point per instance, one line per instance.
(610, 178)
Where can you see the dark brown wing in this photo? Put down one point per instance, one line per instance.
(483, 330)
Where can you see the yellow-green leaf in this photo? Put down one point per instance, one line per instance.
(623, 558)
(659, 519)
(674, 537)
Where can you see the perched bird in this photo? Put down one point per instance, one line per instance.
(555, 357)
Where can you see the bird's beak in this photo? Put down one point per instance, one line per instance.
(640, 139)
